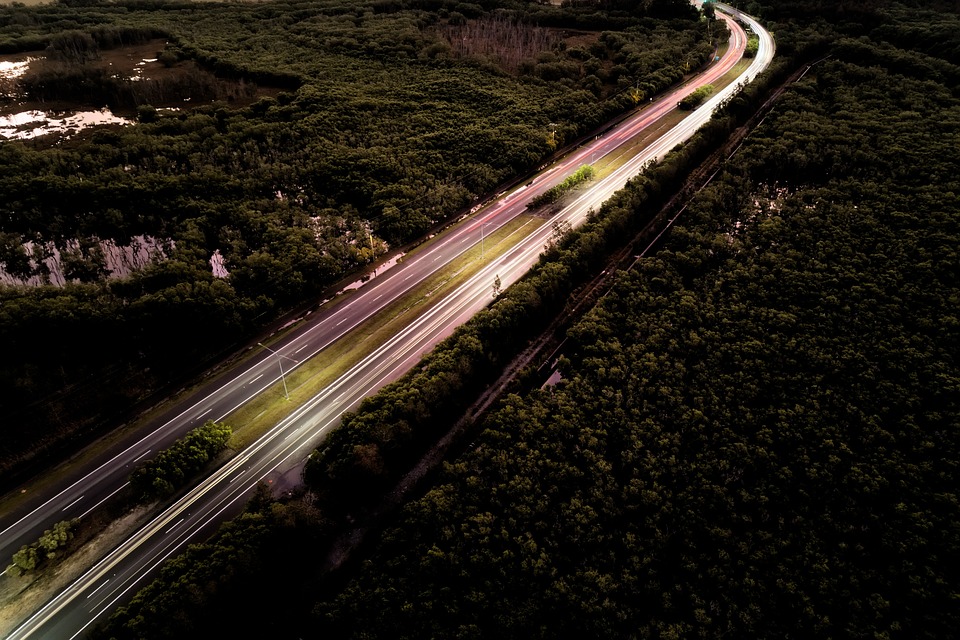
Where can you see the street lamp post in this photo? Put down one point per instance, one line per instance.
(280, 362)
(482, 227)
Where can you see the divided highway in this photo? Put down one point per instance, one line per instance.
(127, 568)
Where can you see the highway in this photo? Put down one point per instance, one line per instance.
(122, 571)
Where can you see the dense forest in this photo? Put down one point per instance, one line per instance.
(382, 122)
(756, 430)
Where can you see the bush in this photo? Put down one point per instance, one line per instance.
(164, 474)
(553, 194)
(29, 557)
(696, 98)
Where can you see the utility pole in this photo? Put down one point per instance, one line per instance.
(482, 227)
(280, 362)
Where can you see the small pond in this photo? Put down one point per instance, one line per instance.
(22, 119)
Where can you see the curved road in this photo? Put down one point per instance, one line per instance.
(121, 572)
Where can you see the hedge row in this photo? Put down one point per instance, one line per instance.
(29, 557)
(172, 467)
(554, 193)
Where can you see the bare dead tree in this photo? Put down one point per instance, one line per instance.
(503, 40)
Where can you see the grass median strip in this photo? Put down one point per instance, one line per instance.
(260, 414)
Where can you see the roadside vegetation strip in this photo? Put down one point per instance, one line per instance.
(608, 163)
(42, 552)
(696, 98)
(577, 178)
(170, 469)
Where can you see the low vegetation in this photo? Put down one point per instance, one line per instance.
(579, 177)
(696, 98)
(171, 468)
(45, 550)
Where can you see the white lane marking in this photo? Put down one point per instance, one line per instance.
(112, 493)
(257, 378)
(378, 297)
(301, 348)
(98, 588)
(341, 322)
(179, 522)
(142, 454)
(71, 504)
(205, 412)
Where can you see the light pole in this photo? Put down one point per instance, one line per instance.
(482, 227)
(280, 362)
